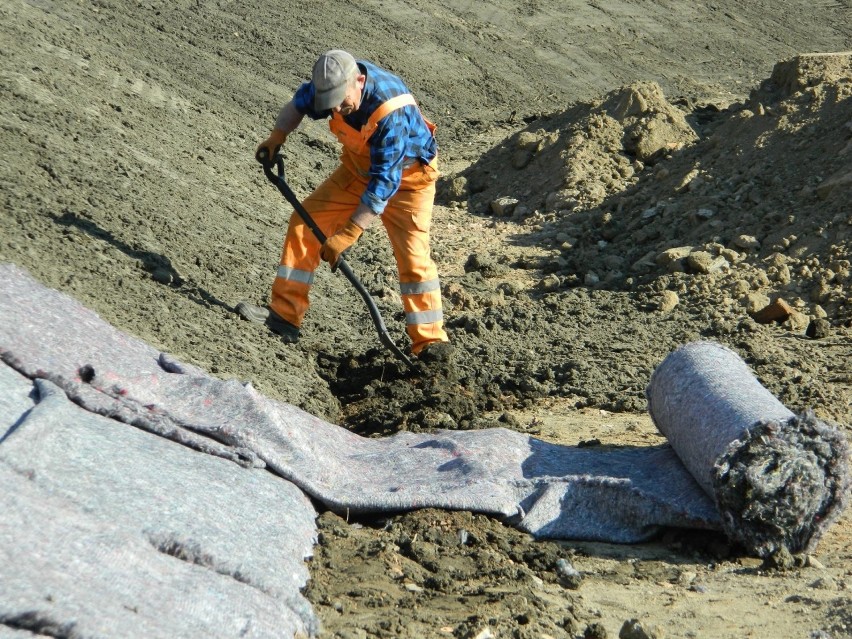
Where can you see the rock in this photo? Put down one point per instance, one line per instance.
(458, 189)
(777, 311)
(818, 329)
(673, 254)
(782, 559)
(797, 322)
(668, 301)
(595, 630)
(458, 297)
(569, 577)
(754, 302)
(750, 563)
(510, 288)
(564, 238)
(687, 181)
(633, 629)
(748, 242)
(163, 276)
(391, 295)
(686, 578)
(739, 288)
(731, 256)
(843, 275)
(503, 206)
(560, 200)
(820, 292)
(780, 274)
(704, 262)
(485, 264)
(521, 158)
(644, 262)
(549, 283)
(527, 141)
(658, 135)
(776, 259)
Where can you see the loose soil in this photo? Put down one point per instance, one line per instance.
(619, 178)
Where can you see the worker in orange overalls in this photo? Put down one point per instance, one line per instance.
(388, 171)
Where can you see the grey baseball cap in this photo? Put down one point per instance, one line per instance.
(330, 77)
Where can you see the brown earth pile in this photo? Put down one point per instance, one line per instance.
(764, 191)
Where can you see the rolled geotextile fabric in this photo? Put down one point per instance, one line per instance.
(778, 479)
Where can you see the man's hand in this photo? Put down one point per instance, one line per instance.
(270, 146)
(339, 242)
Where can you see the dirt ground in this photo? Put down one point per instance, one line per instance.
(620, 178)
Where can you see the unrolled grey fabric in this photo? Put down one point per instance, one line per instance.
(68, 572)
(548, 490)
(110, 531)
(778, 479)
(110, 397)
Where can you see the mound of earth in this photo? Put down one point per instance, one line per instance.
(634, 187)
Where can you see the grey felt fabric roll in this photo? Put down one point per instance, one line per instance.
(778, 479)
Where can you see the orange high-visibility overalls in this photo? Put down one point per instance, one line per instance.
(406, 219)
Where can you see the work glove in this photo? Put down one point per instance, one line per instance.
(269, 147)
(339, 242)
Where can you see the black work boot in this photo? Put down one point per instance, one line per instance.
(437, 361)
(437, 352)
(263, 315)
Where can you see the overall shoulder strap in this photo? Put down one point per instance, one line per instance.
(384, 109)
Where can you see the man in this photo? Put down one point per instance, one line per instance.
(388, 171)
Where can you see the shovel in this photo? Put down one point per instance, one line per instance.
(278, 180)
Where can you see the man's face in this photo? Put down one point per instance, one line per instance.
(352, 100)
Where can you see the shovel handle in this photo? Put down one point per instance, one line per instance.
(277, 178)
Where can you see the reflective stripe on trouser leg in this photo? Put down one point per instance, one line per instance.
(330, 206)
(424, 317)
(407, 219)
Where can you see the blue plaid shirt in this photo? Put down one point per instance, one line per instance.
(400, 139)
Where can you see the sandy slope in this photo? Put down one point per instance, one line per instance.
(127, 176)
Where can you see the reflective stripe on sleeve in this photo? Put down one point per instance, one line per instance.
(295, 275)
(415, 288)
